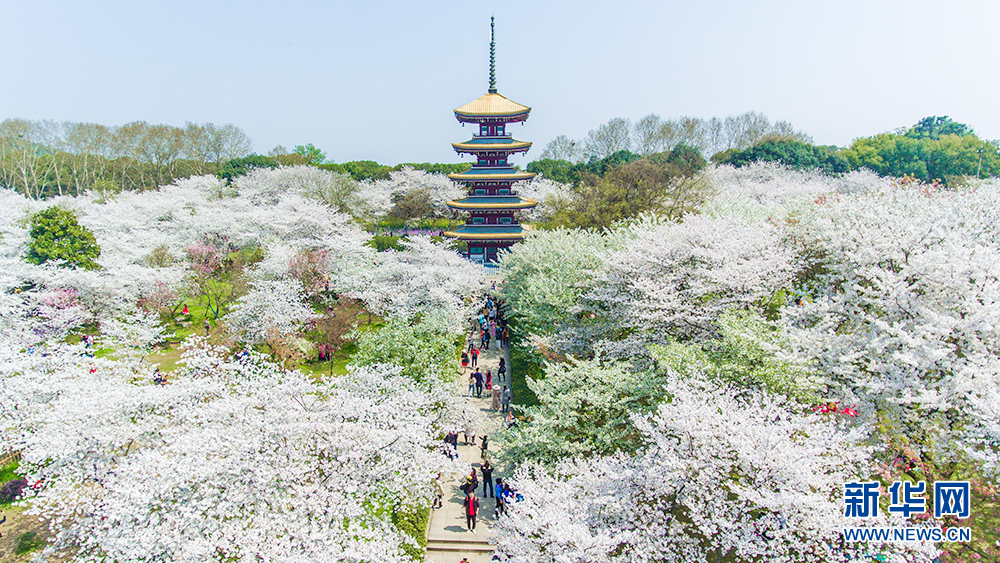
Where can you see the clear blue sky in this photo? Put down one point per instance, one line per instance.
(378, 79)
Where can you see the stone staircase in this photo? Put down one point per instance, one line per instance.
(452, 550)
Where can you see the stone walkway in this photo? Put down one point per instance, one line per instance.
(448, 540)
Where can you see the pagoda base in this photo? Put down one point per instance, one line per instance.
(486, 251)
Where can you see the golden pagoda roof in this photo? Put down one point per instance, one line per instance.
(491, 105)
(476, 174)
(492, 202)
(492, 144)
(488, 232)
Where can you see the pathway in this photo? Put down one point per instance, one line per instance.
(447, 538)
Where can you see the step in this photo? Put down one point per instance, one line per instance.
(473, 538)
(460, 547)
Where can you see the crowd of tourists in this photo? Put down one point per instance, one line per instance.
(489, 332)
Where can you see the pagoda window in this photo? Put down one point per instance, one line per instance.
(505, 220)
(478, 220)
(484, 130)
(480, 192)
(503, 192)
(502, 162)
(475, 250)
(499, 129)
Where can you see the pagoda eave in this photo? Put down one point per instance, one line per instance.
(467, 177)
(485, 236)
(486, 119)
(476, 148)
(522, 204)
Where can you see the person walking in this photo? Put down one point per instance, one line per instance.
(438, 493)
(489, 380)
(505, 337)
(501, 369)
(469, 432)
(498, 495)
(475, 356)
(471, 511)
(472, 382)
(465, 361)
(495, 405)
(487, 470)
(483, 446)
(505, 399)
(478, 375)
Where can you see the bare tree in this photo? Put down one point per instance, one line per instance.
(648, 133)
(715, 136)
(670, 134)
(90, 145)
(783, 130)
(606, 140)
(746, 130)
(21, 155)
(692, 133)
(563, 148)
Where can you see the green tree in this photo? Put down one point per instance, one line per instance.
(414, 204)
(556, 170)
(947, 158)
(362, 170)
(56, 235)
(791, 153)
(935, 127)
(236, 167)
(684, 159)
(623, 186)
(435, 168)
(936, 148)
(310, 153)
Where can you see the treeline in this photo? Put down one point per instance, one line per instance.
(46, 158)
(358, 170)
(599, 193)
(652, 134)
(935, 149)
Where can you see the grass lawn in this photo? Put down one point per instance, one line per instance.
(9, 472)
(166, 360)
(319, 370)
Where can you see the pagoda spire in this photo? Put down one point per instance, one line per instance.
(493, 60)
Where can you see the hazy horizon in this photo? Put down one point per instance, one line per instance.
(378, 81)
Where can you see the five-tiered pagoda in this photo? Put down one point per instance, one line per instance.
(491, 201)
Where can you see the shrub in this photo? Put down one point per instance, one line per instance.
(28, 542)
(56, 235)
(413, 521)
(12, 490)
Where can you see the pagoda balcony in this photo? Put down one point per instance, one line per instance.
(488, 232)
(484, 173)
(492, 202)
(499, 145)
